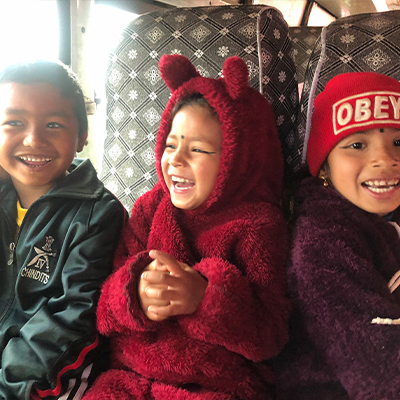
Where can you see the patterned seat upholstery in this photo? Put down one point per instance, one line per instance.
(363, 42)
(303, 41)
(136, 95)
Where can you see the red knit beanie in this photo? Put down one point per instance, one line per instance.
(351, 102)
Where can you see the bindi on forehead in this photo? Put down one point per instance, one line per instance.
(182, 137)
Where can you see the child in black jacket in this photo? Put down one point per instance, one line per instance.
(59, 227)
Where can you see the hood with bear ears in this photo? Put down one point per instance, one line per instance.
(251, 162)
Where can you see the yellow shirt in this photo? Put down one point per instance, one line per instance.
(20, 214)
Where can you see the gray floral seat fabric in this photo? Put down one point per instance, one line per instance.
(363, 42)
(136, 94)
(303, 41)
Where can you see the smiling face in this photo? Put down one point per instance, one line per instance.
(365, 168)
(190, 161)
(38, 137)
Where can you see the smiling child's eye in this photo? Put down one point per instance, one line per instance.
(196, 150)
(357, 146)
(397, 142)
(13, 123)
(53, 125)
(170, 146)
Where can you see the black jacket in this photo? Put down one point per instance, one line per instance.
(51, 273)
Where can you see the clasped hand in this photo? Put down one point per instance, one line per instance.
(168, 287)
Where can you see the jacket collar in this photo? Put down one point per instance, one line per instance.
(81, 182)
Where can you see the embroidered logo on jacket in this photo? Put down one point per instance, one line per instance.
(40, 263)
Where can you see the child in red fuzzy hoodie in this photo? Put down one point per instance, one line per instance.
(196, 302)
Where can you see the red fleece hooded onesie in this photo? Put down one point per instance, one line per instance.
(237, 239)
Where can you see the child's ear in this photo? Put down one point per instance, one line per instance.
(324, 174)
(324, 171)
(82, 141)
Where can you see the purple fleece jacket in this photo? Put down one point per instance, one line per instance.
(341, 263)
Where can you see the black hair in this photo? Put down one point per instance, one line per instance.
(55, 74)
(194, 99)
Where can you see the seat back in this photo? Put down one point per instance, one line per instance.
(136, 94)
(303, 41)
(363, 42)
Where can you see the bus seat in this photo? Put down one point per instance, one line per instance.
(303, 41)
(136, 95)
(362, 42)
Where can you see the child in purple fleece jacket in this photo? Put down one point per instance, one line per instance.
(344, 274)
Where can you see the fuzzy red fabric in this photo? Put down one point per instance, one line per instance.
(238, 243)
(251, 163)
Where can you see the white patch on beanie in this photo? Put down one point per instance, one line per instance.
(366, 111)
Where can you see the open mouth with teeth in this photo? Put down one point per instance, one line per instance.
(34, 162)
(381, 185)
(182, 183)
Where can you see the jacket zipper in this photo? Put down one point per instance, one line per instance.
(10, 262)
(13, 245)
(12, 249)
(11, 298)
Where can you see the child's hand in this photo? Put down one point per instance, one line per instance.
(145, 300)
(173, 288)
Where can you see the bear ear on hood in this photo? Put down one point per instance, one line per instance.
(236, 76)
(175, 70)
